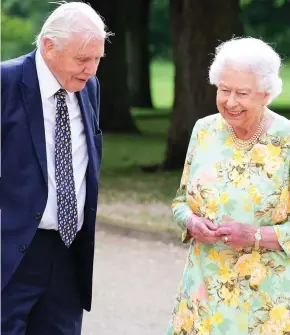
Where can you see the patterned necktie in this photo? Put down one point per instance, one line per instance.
(65, 186)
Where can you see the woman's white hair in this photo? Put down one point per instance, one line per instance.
(253, 55)
(69, 18)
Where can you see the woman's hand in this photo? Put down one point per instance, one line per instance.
(202, 229)
(236, 235)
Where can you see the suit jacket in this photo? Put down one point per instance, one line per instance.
(23, 183)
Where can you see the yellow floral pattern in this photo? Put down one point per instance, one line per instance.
(222, 290)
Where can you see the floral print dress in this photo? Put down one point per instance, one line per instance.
(224, 291)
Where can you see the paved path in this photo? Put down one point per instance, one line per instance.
(135, 284)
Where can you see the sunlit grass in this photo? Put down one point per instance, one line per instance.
(284, 99)
(162, 84)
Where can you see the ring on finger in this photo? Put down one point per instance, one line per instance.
(226, 239)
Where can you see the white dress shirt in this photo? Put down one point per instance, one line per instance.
(48, 87)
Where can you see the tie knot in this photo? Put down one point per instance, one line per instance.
(60, 94)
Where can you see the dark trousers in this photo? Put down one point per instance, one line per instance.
(43, 296)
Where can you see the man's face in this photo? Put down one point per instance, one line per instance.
(75, 62)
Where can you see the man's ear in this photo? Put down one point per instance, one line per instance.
(48, 47)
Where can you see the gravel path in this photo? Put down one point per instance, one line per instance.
(135, 283)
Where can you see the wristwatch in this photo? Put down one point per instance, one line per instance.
(258, 237)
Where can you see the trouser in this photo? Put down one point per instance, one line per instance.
(43, 295)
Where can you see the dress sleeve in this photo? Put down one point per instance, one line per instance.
(283, 230)
(180, 207)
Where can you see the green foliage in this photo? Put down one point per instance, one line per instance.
(245, 2)
(16, 36)
(269, 20)
(33, 9)
(159, 30)
(21, 21)
(276, 3)
(266, 19)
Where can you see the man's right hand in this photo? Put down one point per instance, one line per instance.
(202, 229)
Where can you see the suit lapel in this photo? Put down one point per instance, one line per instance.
(33, 106)
(88, 119)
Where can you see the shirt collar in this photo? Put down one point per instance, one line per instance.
(48, 84)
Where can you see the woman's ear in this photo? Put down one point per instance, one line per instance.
(265, 99)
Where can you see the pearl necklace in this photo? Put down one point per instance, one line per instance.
(248, 144)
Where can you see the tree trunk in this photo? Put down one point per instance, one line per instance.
(115, 113)
(138, 54)
(197, 28)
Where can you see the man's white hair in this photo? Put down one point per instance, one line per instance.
(253, 55)
(69, 18)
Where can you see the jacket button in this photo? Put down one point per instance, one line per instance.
(37, 216)
(22, 248)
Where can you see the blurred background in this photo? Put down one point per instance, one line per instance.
(154, 86)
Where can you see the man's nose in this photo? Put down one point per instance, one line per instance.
(91, 68)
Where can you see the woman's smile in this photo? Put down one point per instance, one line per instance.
(234, 114)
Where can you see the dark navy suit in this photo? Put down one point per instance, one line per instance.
(24, 192)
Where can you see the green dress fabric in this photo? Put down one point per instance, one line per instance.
(224, 291)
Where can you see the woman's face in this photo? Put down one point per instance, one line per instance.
(238, 98)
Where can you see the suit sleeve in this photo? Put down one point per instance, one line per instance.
(180, 207)
(93, 89)
(5, 96)
(97, 110)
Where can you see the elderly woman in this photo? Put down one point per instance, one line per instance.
(233, 203)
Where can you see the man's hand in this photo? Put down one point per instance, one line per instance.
(236, 235)
(202, 229)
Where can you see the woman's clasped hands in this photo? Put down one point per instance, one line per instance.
(234, 234)
(202, 229)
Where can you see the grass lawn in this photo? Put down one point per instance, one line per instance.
(131, 197)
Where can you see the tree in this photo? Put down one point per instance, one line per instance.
(269, 20)
(138, 54)
(113, 73)
(197, 27)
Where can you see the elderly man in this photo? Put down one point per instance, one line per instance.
(51, 156)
